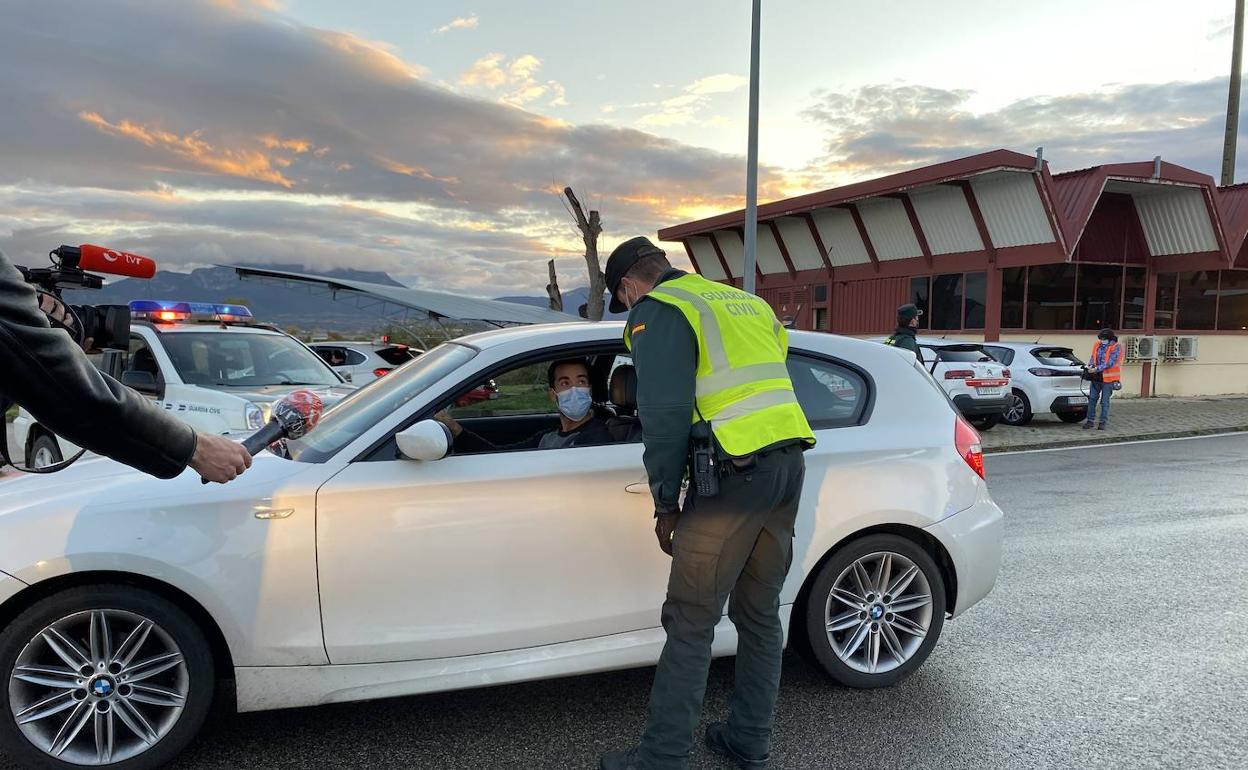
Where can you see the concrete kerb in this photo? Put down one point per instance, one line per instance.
(1101, 440)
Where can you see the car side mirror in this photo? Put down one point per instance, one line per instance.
(425, 441)
(143, 382)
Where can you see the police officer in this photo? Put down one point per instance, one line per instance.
(907, 323)
(710, 361)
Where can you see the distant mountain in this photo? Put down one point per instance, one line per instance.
(572, 300)
(269, 302)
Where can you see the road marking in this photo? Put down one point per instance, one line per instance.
(1115, 444)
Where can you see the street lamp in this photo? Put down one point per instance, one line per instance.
(751, 163)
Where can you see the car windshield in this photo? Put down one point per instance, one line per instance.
(1057, 357)
(351, 417)
(244, 360)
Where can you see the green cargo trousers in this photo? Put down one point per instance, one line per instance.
(738, 543)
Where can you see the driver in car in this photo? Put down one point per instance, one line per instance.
(578, 426)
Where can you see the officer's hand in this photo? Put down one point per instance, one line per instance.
(664, 528)
(219, 459)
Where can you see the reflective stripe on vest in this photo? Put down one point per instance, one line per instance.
(1113, 373)
(742, 384)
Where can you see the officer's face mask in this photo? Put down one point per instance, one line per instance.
(574, 403)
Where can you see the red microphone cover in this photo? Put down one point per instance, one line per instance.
(97, 259)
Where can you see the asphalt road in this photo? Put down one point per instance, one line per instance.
(1115, 638)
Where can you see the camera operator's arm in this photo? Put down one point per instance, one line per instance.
(43, 370)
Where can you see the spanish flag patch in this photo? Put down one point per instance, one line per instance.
(639, 328)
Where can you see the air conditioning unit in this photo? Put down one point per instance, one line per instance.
(1142, 348)
(1181, 348)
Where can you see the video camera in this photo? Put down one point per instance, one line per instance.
(91, 326)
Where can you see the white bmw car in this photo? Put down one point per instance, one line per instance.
(374, 562)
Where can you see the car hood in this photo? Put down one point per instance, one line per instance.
(99, 480)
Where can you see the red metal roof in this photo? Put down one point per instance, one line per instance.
(1233, 202)
(893, 183)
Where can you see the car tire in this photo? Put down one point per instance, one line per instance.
(46, 446)
(150, 640)
(1072, 416)
(1018, 413)
(984, 422)
(831, 649)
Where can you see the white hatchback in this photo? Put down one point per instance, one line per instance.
(1046, 380)
(977, 384)
(370, 564)
(363, 362)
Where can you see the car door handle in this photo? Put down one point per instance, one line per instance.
(273, 513)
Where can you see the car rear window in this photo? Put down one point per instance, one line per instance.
(395, 356)
(831, 395)
(963, 355)
(1057, 357)
(1002, 355)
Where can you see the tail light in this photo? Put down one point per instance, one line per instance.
(1041, 371)
(959, 374)
(966, 439)
(380, 371)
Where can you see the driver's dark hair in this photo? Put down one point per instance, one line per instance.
(550, 371)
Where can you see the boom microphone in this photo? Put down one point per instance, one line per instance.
(98, 259)
(293, 417)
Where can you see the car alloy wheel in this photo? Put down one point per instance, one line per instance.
(873, 611)
(102, 703)
(44, 452)
(878, 612)
(1019, 410)
(102, 676)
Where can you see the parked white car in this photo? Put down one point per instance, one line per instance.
(369, 563)
(216, 371)
(363, 362)
(1045, 380)
(975, 382)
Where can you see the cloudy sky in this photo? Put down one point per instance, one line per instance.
(428, 139)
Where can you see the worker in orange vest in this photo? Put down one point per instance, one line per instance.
(1104, 369)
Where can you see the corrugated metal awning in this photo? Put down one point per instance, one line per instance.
(432, 304)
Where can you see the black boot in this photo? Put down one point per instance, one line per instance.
(621, 760)
(717, 741)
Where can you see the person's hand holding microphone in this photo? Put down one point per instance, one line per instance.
(223, 460)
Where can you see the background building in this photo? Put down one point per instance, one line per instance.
(994, 247)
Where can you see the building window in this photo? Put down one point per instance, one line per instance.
(919, 292)
(1099, 300)
(1051, 296)
(1233, 300)
(1197, 300)
(1163, 312)
(1134, 290)
(1013, 295)
(821, 292)
(947, 301)
(976, 299)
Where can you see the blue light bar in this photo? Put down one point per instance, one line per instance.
(161, 309)
(155, 305)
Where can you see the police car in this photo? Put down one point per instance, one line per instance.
(211, 365)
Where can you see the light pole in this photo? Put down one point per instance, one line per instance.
(1232, 99)
(751, 162)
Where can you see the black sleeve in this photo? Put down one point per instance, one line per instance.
(44, 371)
(665, 354)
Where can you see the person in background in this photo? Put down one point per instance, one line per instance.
(906, 334)
(1104, 368)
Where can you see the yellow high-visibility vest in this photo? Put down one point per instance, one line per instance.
(742, 388)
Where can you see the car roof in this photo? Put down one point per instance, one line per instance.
(1030, 345)
(211, 328)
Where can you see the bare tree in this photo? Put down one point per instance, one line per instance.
(552, 288)
(590, 228)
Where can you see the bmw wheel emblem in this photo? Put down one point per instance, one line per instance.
(102, 687)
